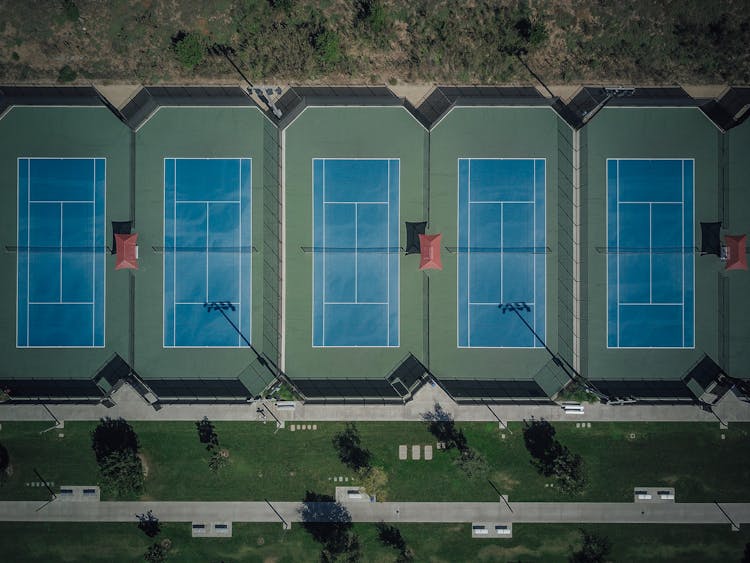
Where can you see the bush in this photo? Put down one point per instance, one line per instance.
(122, 473)
(4, 463)
(155, 554)
(328, 48)
(71, 10)
(472, 463)
(66, 74)
(218, 460)
(189, 48)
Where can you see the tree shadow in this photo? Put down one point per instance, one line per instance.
(441, 425)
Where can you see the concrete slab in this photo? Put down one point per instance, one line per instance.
(416, 452)
(402, 452)
(428, 453)
(118, 94)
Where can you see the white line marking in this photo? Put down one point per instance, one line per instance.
(240, 258)
(650, 202)
(650, 254)
(468, 255)
(208, 220)
(490, 201)
(201, 201)
(649, 303)
(62, 303)
(61, 253)
(617, 247)
(356, 254)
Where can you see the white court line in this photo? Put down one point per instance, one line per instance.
(468, 255)
(206, 201)
(503, 200)
(632, 304)
(502, 254)
(355, 303)
(240, 258)
(89, 201)
(61, 303)
(650, 253)
(61, 252)
(388, 256)
(325, 253)
(650, 202)
(682, 273)
(617, 243)
(533, 256)
(356, 253)
(356, 202)
(174, 255)
(208, 220)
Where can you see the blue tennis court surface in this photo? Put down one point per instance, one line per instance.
(61, 249)
(650, 261)
(502, 247)
(356, 259)
(207, 251)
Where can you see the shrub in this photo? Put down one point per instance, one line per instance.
(189, 48)
(66, 74)
(71, 10)
(328, 48)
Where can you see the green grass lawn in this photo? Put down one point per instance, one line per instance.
(282, 465)
(436, 543)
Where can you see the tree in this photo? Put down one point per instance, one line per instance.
(207, 433)
(330, 524)
(551, 458)
(113, 436)
(595, 549)
(746, 555)
(155, 554)
(569, 472)
(471, 462)
(349, 447)
(149, 524)
(122, 473)
(374, 480)
(218, 460)
(189, 48)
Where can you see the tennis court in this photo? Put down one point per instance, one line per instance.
(650, 264)
(207, 251)
(356, 252)
(501, 260)
(61, 249)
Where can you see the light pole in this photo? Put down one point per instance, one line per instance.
(556, 358)
(222, 307)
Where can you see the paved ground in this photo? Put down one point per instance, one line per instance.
(132, 407)
(529, 512)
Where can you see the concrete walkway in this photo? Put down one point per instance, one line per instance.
(132, 406)
(528, 512)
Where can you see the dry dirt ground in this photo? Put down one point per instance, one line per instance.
(377, 41)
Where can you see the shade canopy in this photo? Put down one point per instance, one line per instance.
(120, 228)
(413, 230)
(127, 251)
(430, 250)
(710, 241)
(736, 256)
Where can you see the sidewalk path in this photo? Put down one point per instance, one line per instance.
(132, 406)
(528, 512)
